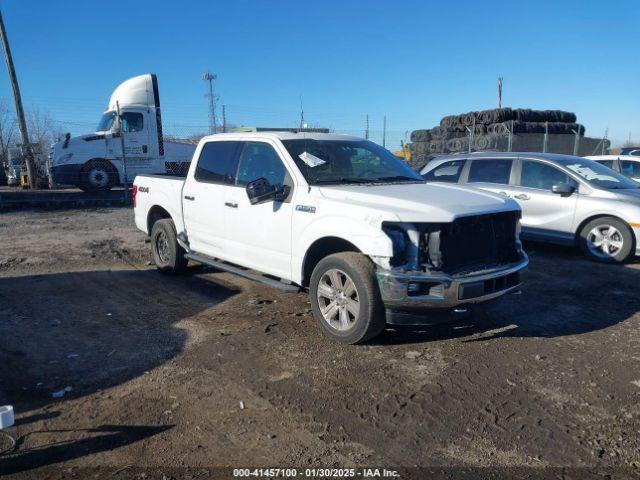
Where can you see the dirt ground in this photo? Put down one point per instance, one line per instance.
(185, 374)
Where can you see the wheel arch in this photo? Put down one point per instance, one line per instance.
(321, 248)
(596, 216)
(156, 213)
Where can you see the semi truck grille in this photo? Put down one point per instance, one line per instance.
(479, 242)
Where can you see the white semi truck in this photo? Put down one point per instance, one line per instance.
(94, 161)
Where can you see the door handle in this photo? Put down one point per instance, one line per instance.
(231, 204)
(188, 197)
(522, 196)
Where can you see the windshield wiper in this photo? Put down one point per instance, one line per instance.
(343, 180)
(398, 177)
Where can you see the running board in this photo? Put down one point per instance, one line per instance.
(220, 265)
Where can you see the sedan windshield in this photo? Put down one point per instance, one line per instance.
(106, 122)
(600, 175)
(348, 161)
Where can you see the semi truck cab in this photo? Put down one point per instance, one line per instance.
(94, 161)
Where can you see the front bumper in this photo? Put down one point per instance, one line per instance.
(66, 174)
(422, 291)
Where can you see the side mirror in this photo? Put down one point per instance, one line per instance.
(261, 191)
(563, 189)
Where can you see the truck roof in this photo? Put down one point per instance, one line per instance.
(282, 136)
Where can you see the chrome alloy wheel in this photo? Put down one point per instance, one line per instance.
(162, 247)
(338, 300)
(605, 241)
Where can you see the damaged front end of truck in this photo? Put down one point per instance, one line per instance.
(443, 265)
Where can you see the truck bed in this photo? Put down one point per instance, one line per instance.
(159, 191)
(166, 176)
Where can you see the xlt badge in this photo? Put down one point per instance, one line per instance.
(306, 208)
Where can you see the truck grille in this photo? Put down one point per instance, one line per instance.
(479, 242)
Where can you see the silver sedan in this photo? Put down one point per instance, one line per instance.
(564, 199)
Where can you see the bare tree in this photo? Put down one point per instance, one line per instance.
(8, 130)
(42, 129)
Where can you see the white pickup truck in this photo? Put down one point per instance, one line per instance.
(338, 216)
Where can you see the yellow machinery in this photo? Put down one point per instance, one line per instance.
(404, 154)
(24, 181)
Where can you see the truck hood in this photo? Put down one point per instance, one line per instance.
(421, 202)
(79, 149)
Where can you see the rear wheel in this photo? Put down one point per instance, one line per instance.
(97, 176)
(345, 298)
(607, 240)
(168, 255)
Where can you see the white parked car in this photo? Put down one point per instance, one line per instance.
(564, 199)
(338, 216)
(627, 165)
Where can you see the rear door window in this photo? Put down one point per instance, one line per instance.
(606, 163)
(218, 162)
(490, 171)
(630, 168)
(543, 176)
(445, 172)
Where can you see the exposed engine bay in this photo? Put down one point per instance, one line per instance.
(466, 245)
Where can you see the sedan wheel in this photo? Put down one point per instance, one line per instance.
(605, 241)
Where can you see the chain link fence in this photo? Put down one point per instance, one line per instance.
(506, 130)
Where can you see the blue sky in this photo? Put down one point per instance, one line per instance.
(414, 61)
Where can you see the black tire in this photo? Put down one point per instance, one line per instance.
(622, 233)
(370, 320)
(98, 176)
(168, 255)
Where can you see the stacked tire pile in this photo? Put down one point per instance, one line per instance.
(490, 130)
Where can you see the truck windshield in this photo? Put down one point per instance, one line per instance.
(347, 161)
(106, 122)
(600, 175)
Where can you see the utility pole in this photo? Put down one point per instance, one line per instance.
(210, 77)
(499, 93)
(22, 124)
(384, 131)
(124, 160)
(366, 128)
(301, 114)
(224, 119)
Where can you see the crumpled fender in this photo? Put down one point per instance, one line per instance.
(366, 235)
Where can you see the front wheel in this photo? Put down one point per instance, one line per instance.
(98, 176)
(345, 298)
(168, 255)
(607, 240)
